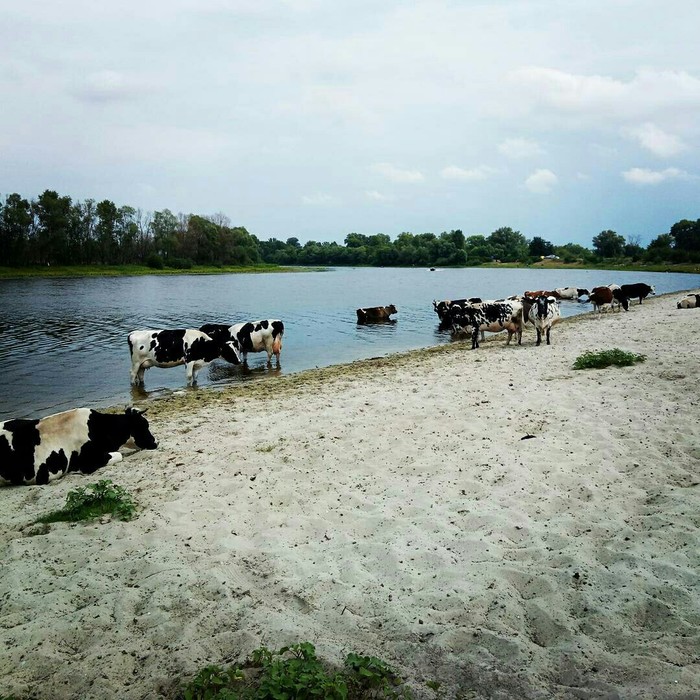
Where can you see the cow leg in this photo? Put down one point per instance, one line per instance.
(539, 337)
(92, 458)
(475, 338)
(549, 328)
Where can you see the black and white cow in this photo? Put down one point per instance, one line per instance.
(637, 291)
(253, 336)
(544, 313)
(690, 301)
(170, 348)
(80, 440)
(488, 316)
(442, 308)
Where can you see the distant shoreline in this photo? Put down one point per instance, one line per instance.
(55, 271)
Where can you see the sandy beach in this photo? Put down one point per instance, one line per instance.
(391, 507)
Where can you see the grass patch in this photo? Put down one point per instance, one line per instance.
(295, 672)
(93, 501)
(607, 358)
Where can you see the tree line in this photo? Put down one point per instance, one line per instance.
(54, 230)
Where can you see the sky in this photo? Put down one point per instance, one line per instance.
(315, 119)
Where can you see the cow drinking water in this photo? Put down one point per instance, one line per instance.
(170, 348)
(80, 440)
(253, 336)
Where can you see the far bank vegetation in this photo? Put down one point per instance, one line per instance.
(54, 230)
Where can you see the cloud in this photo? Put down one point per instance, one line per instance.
(656, 140)
(391, 172)
(319, 199)
(379, 197)
(644, 176)
(109, 86)
(541, 181)
(520, 148)
(481, 172)
(600, 96)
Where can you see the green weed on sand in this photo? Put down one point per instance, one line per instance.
(607, 358)
(93, 501)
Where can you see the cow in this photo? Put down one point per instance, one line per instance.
(543, 314)
(34, 451)
(619, 298)
(603, 298)
(251, 336)
(489, 316)
(442, 308)
(571, 293)
(542, 293)
(690, 301)
(637, 291)
(375, 313)
(170, 348)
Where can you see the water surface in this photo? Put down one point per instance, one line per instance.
(64, 340)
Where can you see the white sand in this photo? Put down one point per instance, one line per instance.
(391, 508)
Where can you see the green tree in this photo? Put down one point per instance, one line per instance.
(660, 249)
(508, 245)
(539, 247)
(608, 244)
(15, 229)
(164, 230)
(686, 235)
(53, 214)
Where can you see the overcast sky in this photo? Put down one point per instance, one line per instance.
(317, 118)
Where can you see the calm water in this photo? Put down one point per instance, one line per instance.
(64, 340)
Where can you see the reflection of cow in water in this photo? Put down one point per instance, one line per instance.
(375, 313)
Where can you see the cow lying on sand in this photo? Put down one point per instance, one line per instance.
(690, 301)
(171, 348)
(253, 336)
(375, 313)
(80, 440)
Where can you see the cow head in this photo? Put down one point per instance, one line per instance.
(583, 292)
(652, 290)
(138, 429)
(543, 303)
(391, 309)
(230, 351)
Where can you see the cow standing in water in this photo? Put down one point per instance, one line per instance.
(253, 336)
(80, 440)
(171, 348)
(375, 313)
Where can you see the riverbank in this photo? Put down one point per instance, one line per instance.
(139, 270)
(492, 520)
(124, 270)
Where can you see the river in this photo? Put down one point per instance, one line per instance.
(64, 340)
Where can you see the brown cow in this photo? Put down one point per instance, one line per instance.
(375, 313)
(604, 296)
(542, 293)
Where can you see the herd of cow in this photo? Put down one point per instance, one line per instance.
(34, 451)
